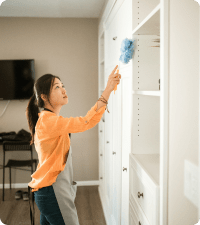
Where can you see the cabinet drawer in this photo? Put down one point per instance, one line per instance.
(144, 193)
(136, 217)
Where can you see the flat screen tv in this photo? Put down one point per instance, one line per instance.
(17, 79)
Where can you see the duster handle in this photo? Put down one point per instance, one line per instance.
(115, 88)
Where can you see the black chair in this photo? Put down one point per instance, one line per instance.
(17, 146)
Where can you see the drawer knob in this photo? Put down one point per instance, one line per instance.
(101, 177)
(140, 223)
(124, 169)
(100, 130)
(114, 153)
(107, 141)
(114, 38)
(139, 194)
(103, 120)
(101, 154)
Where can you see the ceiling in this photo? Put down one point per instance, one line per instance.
(52, 8)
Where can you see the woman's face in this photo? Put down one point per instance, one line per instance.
(58, 93)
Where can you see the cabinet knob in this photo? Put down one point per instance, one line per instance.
(101, 177)
(114, 153)
(139, 194)
(101, 154)
(124, 169)
(107, 141)
(114, 38)
(140, 223)
(100, 130)
(103, 120)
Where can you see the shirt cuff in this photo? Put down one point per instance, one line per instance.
(93, 111)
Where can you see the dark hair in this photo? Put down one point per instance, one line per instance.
(43, 85)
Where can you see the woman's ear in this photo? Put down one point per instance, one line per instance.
(43, 97)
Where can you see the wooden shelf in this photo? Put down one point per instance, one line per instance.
(150, 25)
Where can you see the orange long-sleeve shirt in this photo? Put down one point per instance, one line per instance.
(52, 143)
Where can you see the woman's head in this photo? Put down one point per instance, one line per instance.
(48, 93)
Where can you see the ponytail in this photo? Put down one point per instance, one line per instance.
(32, 111)
(44, 86)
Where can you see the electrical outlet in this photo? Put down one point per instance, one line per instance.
(191, 182)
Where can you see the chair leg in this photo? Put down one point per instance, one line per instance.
(3, 181)
(31, 168)
(10, 177)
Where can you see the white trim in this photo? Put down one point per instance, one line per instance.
(199, 126)
(106, 13)
(164, 109)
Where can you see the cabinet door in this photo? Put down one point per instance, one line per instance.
(101, 156)
(108, 157)
(116, 155)
(124, 26)
(126, 141)
(112, 43)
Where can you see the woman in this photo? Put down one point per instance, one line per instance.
(52, 184)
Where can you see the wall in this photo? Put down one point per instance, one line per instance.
(65, 47)
(183, 105)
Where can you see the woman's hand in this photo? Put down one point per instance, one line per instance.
(113, 79)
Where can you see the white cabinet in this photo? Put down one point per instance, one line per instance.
(114, 189)
(156, 114)
(134, 162)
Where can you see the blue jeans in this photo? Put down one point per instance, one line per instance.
(46, 202)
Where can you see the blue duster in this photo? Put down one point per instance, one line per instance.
(126, 50)
(126, 53)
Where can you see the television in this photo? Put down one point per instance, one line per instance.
(17, 78)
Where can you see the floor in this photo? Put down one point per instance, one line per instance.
(17, 212)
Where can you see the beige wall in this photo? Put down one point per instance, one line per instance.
(183, 107)
(67, 48)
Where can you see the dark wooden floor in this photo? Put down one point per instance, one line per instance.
(17, 212)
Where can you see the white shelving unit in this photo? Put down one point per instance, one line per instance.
(134, 147)
(148, 132)
(149, 112)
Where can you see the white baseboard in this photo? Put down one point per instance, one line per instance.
(25, 185)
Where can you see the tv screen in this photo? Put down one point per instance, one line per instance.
(17, 79)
